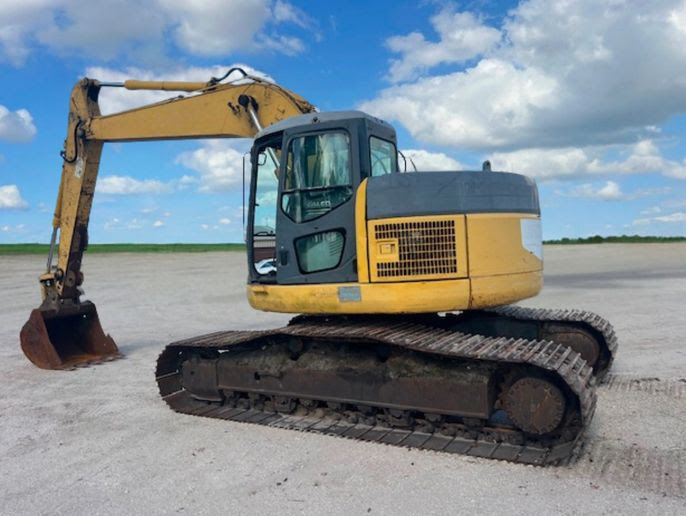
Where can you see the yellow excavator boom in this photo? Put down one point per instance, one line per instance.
(63, 331)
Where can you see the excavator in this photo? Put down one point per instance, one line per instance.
(402, 283)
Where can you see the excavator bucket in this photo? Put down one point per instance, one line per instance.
(64, 341)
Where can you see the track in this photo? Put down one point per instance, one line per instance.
(485, 441)
(583, 330)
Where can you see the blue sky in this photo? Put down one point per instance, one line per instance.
(586, 96)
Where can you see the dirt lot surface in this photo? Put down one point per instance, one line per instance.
(100, 441)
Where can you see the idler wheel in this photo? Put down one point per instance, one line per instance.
(578, 339)
(535, 405)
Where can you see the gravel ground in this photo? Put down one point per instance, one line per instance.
(99, 440)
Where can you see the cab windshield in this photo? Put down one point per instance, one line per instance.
(318, 175)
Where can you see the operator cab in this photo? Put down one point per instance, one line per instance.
(304, 174)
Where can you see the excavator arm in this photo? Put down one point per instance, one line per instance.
(65, 331)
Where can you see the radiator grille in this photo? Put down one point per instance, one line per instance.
(426, 249)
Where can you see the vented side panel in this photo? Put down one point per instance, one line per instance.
(415, 248)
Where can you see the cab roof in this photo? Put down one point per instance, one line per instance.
(314, 118)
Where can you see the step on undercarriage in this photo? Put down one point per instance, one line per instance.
(379, 379)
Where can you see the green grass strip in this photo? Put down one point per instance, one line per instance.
(623, 239)
(6, 249)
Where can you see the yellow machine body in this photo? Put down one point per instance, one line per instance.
(492, 267)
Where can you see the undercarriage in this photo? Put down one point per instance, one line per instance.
(413, 381)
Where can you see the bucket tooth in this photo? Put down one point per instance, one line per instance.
(65, 340)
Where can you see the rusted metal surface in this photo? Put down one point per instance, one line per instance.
(575, 337)
(585, 332)
(535, 405)
(373, 422)
(357, 376)
(65, 340)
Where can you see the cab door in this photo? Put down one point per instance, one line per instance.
(315, 238)
(261, 228)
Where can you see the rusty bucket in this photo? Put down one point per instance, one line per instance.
(64, 340)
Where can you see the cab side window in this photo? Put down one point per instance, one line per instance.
(383, 156)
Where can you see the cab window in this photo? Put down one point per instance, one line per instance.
(318, 175)
(383, 156)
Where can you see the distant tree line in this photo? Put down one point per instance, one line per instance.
(621, 239)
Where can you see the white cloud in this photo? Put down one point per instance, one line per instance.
(651, 211)
(641, 158)
(126, 185)
(425, 160)
(490, 105)
(217, 27)
(11, 199)
(543, 163)
(110, 28)
(462, 36)
(16, 21)
(645, 157)
(285, 12)
(566, 74)
(609, 192)
(135, 224)
(184, 182)
(103, 29)
(16, 126)
(218, 162)
(113, 100)
(267, 199)
(672, 218)
(17, 228)
(224, 221)
(112, 223)
(674, 203)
